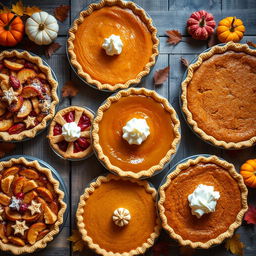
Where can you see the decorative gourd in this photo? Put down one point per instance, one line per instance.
(11, 29)
(248, 171)
(201, 25)
(230, 29)
(42, 28)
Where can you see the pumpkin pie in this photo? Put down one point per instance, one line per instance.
(28, 95)
(69, 133)
(135, 133)
(113, 44)
(218, 96)
(202, 202)
(31, 206)
(118, 216)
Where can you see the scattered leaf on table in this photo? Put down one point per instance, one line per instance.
(4, 9)
(174, 36)
(184, 61)
(213, 40)
(28, 45)
(251, 44)
(77, 242)
(69, 89)
(18, 8)
(186, 251)
(161, 75)
(234, 245)
(61, 12)
(31, 10)
(161, 249)
(6, 147)
(51, 48)
(250, 215)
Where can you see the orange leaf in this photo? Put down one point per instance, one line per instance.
(251, 44)
(69, 90)
(18, 8)
(51, 48)
(6, 147)
(31, 10)
(186, 251)
(234, 245)
(77, 242)
(174, 36)
(184, 61)
(250, 215)
(161, 75)
(61, 12)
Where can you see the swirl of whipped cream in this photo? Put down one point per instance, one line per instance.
(113, 45)
(71, 131)
(121, 217)
(136, 131)
(203, 200)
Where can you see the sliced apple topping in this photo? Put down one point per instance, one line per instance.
(34, 230)
(42, 234)
(24, 74)
(11, 215)
(11, 171)
(28, 197)
(5, 125)
(2, 233)
(6, 184)
(35, 104)
(31, 218)
(18, 185)
(31, 184)
(16, 240)
(4, 199)
(29, 173)
(16, 105)
(13, 65)
(45, 194)
(17, 128)
(25, 109)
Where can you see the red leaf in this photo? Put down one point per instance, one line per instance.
(69, 89)
(6, 147)
(161, 75)
(250, 215)
(251, 44)
(174, 36)
(61, 12)
(51, 48)
(161, 249)
(184, 61)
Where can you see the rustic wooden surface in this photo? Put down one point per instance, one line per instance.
(166, 14)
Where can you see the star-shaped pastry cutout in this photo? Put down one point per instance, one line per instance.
(15, 203)
(20, 227)
(9, 96)
(1, 213)
(30, 121)
(34, 207)
(45, 105)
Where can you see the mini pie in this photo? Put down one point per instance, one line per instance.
(81, 146)
(98, 22)
(212, 228)
(27, 95)
(102, 205)
(135, 160)
(218, 96)
(31, 206)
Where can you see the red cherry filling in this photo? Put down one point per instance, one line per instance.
(15, 83)
(29, 65)
(20, 195)
(17, 128)
(23, 207)
(84, 122)
(57, 130)
(63, 145)
(81, 144)
(70, 116)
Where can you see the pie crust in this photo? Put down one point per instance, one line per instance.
(86, 133)
(48, 237)
(143, 16)
(231, 228)
(218, 49)
(80, 211)
(47, 71)
(98, 118)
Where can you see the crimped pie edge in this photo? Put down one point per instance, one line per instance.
(231, 169)
(123, 4)
(81, 226)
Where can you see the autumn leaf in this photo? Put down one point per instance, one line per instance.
(61, 12)
(184, 61)
(51, 48)
(234, 245)
(4, 9)
(161, 75)
(29, 10)
(161, 249)
(174, 36)
(186, 251)
(18, 8)
(69, 90)
(6, 147)
(250, 215)
(251, 44)
(213, 40)
(77, 242)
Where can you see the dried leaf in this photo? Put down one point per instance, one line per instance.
(234, 245)
(4, 9)
(18, 8)
(213, 40)
(161, 249)
(69, 90)
(6, 148)
(186, 251)
(250, 215)
(251, 44)
(161, 75)
(77, 242)
(184, 61)
(31, 10)
(51, 48)
(28, 45)
(61, 12)
(174, 36)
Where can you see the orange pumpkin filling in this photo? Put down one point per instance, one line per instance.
(136, 38)
(136, 157)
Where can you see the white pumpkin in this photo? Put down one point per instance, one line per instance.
(42, 28)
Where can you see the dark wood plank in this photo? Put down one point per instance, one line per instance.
(238, 4)
(194, 5)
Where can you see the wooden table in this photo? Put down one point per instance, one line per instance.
(166, 15)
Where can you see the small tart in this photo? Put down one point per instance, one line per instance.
(218, 96)
(81, 147)
(135, 160)
(95, 212)
(101, 20)
(28, 95)
(32, 203)
(212, 228)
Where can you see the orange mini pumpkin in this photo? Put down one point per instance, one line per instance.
(248, 171)
(11, 29)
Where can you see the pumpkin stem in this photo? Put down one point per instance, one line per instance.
(202, 22)
(7, 27)
(232, 29)
(41, 26)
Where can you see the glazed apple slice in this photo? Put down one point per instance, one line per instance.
(24, 74)
(30, 218)
(15, 106)
(4, 199)
(13, 65)
(6, 184)
(25, 109)
(54, 207)
(16, 240)
(30, 185)
(11, 215)
(49, 216)
(2, 111)
(11, 171)
(42, 234)
(17, 128)
(28, 197)
(45, 194)
(35, 104)
(29, 173)
(2, 233)
(5, 125)
(33, 232)
(18, 185)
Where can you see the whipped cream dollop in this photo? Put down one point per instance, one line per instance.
(121, 217)
(71, 131)
(203, 200)
(113, 45)
(136, 131)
